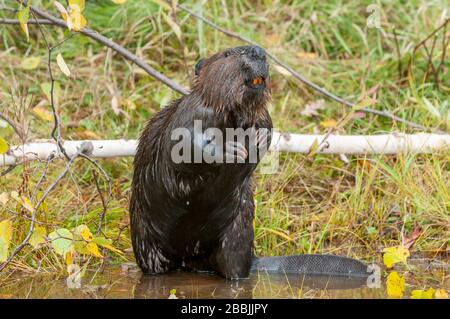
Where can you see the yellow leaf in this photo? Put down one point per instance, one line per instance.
(5, 238)
(3, 250)
(23, 200)
(128, 104)
(3, 146)
(273, 39)
(307, 55)
(88, 135)
(69, 257)
(393, 255)
(43, 114)
(103, 242)
(38, 236)
(84, 232)
(278, 233)
(422, 294)
(441, 294)
(395, 285)
(92, 248)
(77, 19)
(62, 64)
(328, 123)
(79, 3)
(22, 16)
(119, 1)
(6, 230)
(30, 63)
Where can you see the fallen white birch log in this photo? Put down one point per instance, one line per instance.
(285, 142)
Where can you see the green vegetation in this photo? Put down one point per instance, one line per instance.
(316, 204)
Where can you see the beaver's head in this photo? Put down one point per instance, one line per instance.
(234, 78)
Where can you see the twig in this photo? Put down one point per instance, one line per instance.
(104, 203)
(14, 126)
(301, 78)
(56, 131)
(47, 164)
(15, 21)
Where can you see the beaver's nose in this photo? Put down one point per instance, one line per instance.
(257, 52)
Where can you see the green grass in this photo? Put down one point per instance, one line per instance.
(312, 205)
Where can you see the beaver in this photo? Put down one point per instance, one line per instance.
(198, 215)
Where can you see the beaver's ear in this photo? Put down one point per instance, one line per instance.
(198, 66)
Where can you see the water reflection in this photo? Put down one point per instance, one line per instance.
(131, 283)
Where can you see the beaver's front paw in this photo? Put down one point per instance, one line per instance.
(235, 152)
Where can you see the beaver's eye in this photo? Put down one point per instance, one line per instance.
(258, 81)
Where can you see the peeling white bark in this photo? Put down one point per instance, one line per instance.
(285, 142)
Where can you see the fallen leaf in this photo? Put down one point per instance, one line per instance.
(411, 239)
(273, 39)
(30, 63)
(394, 255)
(395, 285)
(422, 294)
(173, 294)
(88, 135)
(441, 294)
(42, 113)
(306, 55)
(329, 123)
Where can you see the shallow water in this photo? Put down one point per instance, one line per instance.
(127, 281)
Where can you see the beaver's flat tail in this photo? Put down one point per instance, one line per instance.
(312, 265)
